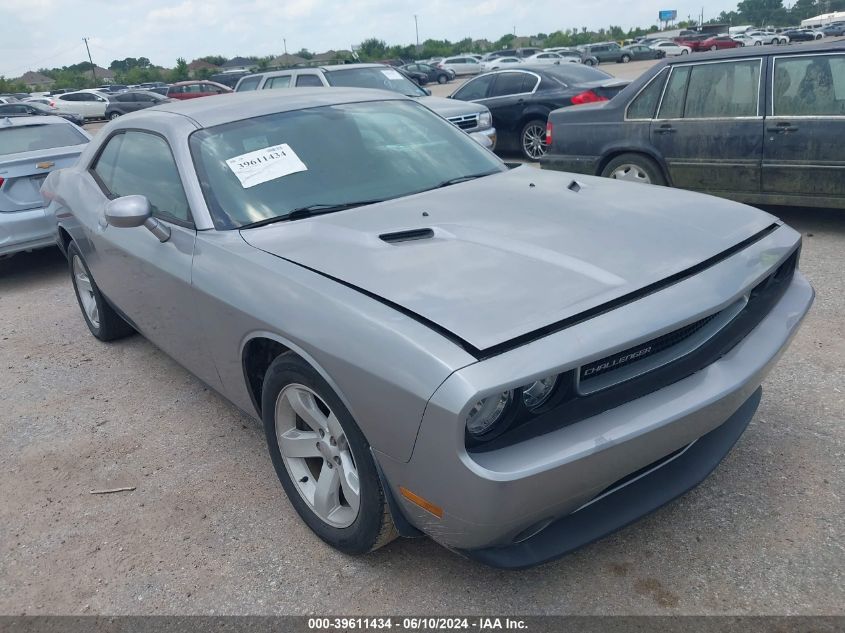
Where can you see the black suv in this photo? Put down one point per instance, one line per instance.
(762, 125)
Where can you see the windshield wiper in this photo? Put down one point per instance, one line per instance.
(459, 179)
(308, 211)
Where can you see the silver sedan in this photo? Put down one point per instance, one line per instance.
(512, 362)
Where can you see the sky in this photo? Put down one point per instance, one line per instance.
(46, 33)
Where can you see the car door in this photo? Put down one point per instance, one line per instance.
(802, 150)
(127, 102)
(146, 279)
(474, 89)
(506, 100)
(709, 126)
(95, 105)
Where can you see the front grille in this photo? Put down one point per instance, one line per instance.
(641, 352)
(568, 405)
(465, 122)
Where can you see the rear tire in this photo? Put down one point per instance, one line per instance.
(589, 62)
(113, 116)
(532, 140)
(101, 319)
(684, 52)
(343, 455)
(441, 79)
(715, 48)
(632, 167)
(625, 59)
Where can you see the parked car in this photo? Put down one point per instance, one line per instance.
(461, 65)
(500, 62)
(473, 119)
(546, 57)
(672, 49)
(131, 101)
(32, 108)
(522, 52)
(769, 37)
(89, 104)
(719, 123)
(195, 89)
(112, 88)
(693, 42)
(30, 149)
(8, 99)
(520, 99)
(418, 77)
(431, 73)
(568, 54)
(636, 52)
(803, 35)
(746, 40)
(834, 30)
(610, 374)
(604, 52)
(718, 42)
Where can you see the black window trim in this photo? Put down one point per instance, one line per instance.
(501, 71)
(665, 69)
(165, 217)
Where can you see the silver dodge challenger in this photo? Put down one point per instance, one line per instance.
(513, 362)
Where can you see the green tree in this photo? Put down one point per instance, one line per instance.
(217, 60)
(762, 12)
(10, 85)
(372, 48)
(180, 71)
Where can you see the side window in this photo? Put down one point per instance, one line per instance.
(672, 106)
(475, 89)
(811, 85)
(124, 98)
(508, 84)
(278, 82)
(645, 103)
(724, 90)
(250, 83)
(309, 80)
(141, 163)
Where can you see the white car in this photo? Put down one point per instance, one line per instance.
(89, 104)
(461, 64)
(671, 49)
(768, 37)
(548, 57)
(499, 62)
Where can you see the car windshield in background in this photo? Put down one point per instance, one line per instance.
(384, 78)
(28, 138)
(332, 156)
(574, 74)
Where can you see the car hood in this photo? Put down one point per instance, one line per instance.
(514, 252)
(451, 107)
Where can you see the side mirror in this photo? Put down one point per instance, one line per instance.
(134, 211)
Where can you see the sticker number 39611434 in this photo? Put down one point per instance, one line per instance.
(263, 165)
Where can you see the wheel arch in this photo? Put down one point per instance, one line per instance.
(618, 151)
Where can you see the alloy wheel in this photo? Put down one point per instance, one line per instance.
(86, 292)
(631, 173)
(317, 455)
(534, 141)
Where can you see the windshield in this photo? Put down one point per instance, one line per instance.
(266, 167)
(28, 138)
(382, 78)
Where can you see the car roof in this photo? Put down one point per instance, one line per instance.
(755, 51)
(23, 121)
(237, 106)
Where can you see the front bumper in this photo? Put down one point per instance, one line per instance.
(486, 138)
(498, 506)
(26, 230)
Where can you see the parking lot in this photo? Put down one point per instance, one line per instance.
(205, 528)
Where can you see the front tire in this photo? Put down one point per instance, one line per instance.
(715, 48)
(625, 59)
(322, 459)
(112, 116)
(589, 62)
(634, 168)
(101, 319)
(532, 140)
(441, 79)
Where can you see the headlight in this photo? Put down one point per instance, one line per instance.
(537, 393)
(485, 119)
(488, 414)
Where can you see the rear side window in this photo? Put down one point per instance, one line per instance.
(278, 82)
(672, 106)
(140, 163)
(723, 90)
(644, 104)
(249, 83)
(509, 84)
(309, 80)
(30, 138)
(811, 85)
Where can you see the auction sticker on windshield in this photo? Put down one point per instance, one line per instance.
(260, 166)
(391, 74)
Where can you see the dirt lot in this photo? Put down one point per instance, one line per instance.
(208, 530)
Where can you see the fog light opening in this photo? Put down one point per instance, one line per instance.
(533, 530)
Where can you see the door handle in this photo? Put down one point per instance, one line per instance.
(782, 128)
(665, 129)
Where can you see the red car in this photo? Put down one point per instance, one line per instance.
(194, 89)
(693, 41)
(718, 43)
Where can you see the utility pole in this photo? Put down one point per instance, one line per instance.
(286, 45)
(93, 72)
(417, 29)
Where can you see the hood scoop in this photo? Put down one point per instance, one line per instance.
(407, 236)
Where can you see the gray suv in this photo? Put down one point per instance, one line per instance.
(604, 52)
(473, 118)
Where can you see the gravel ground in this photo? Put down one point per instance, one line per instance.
(208, 530)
